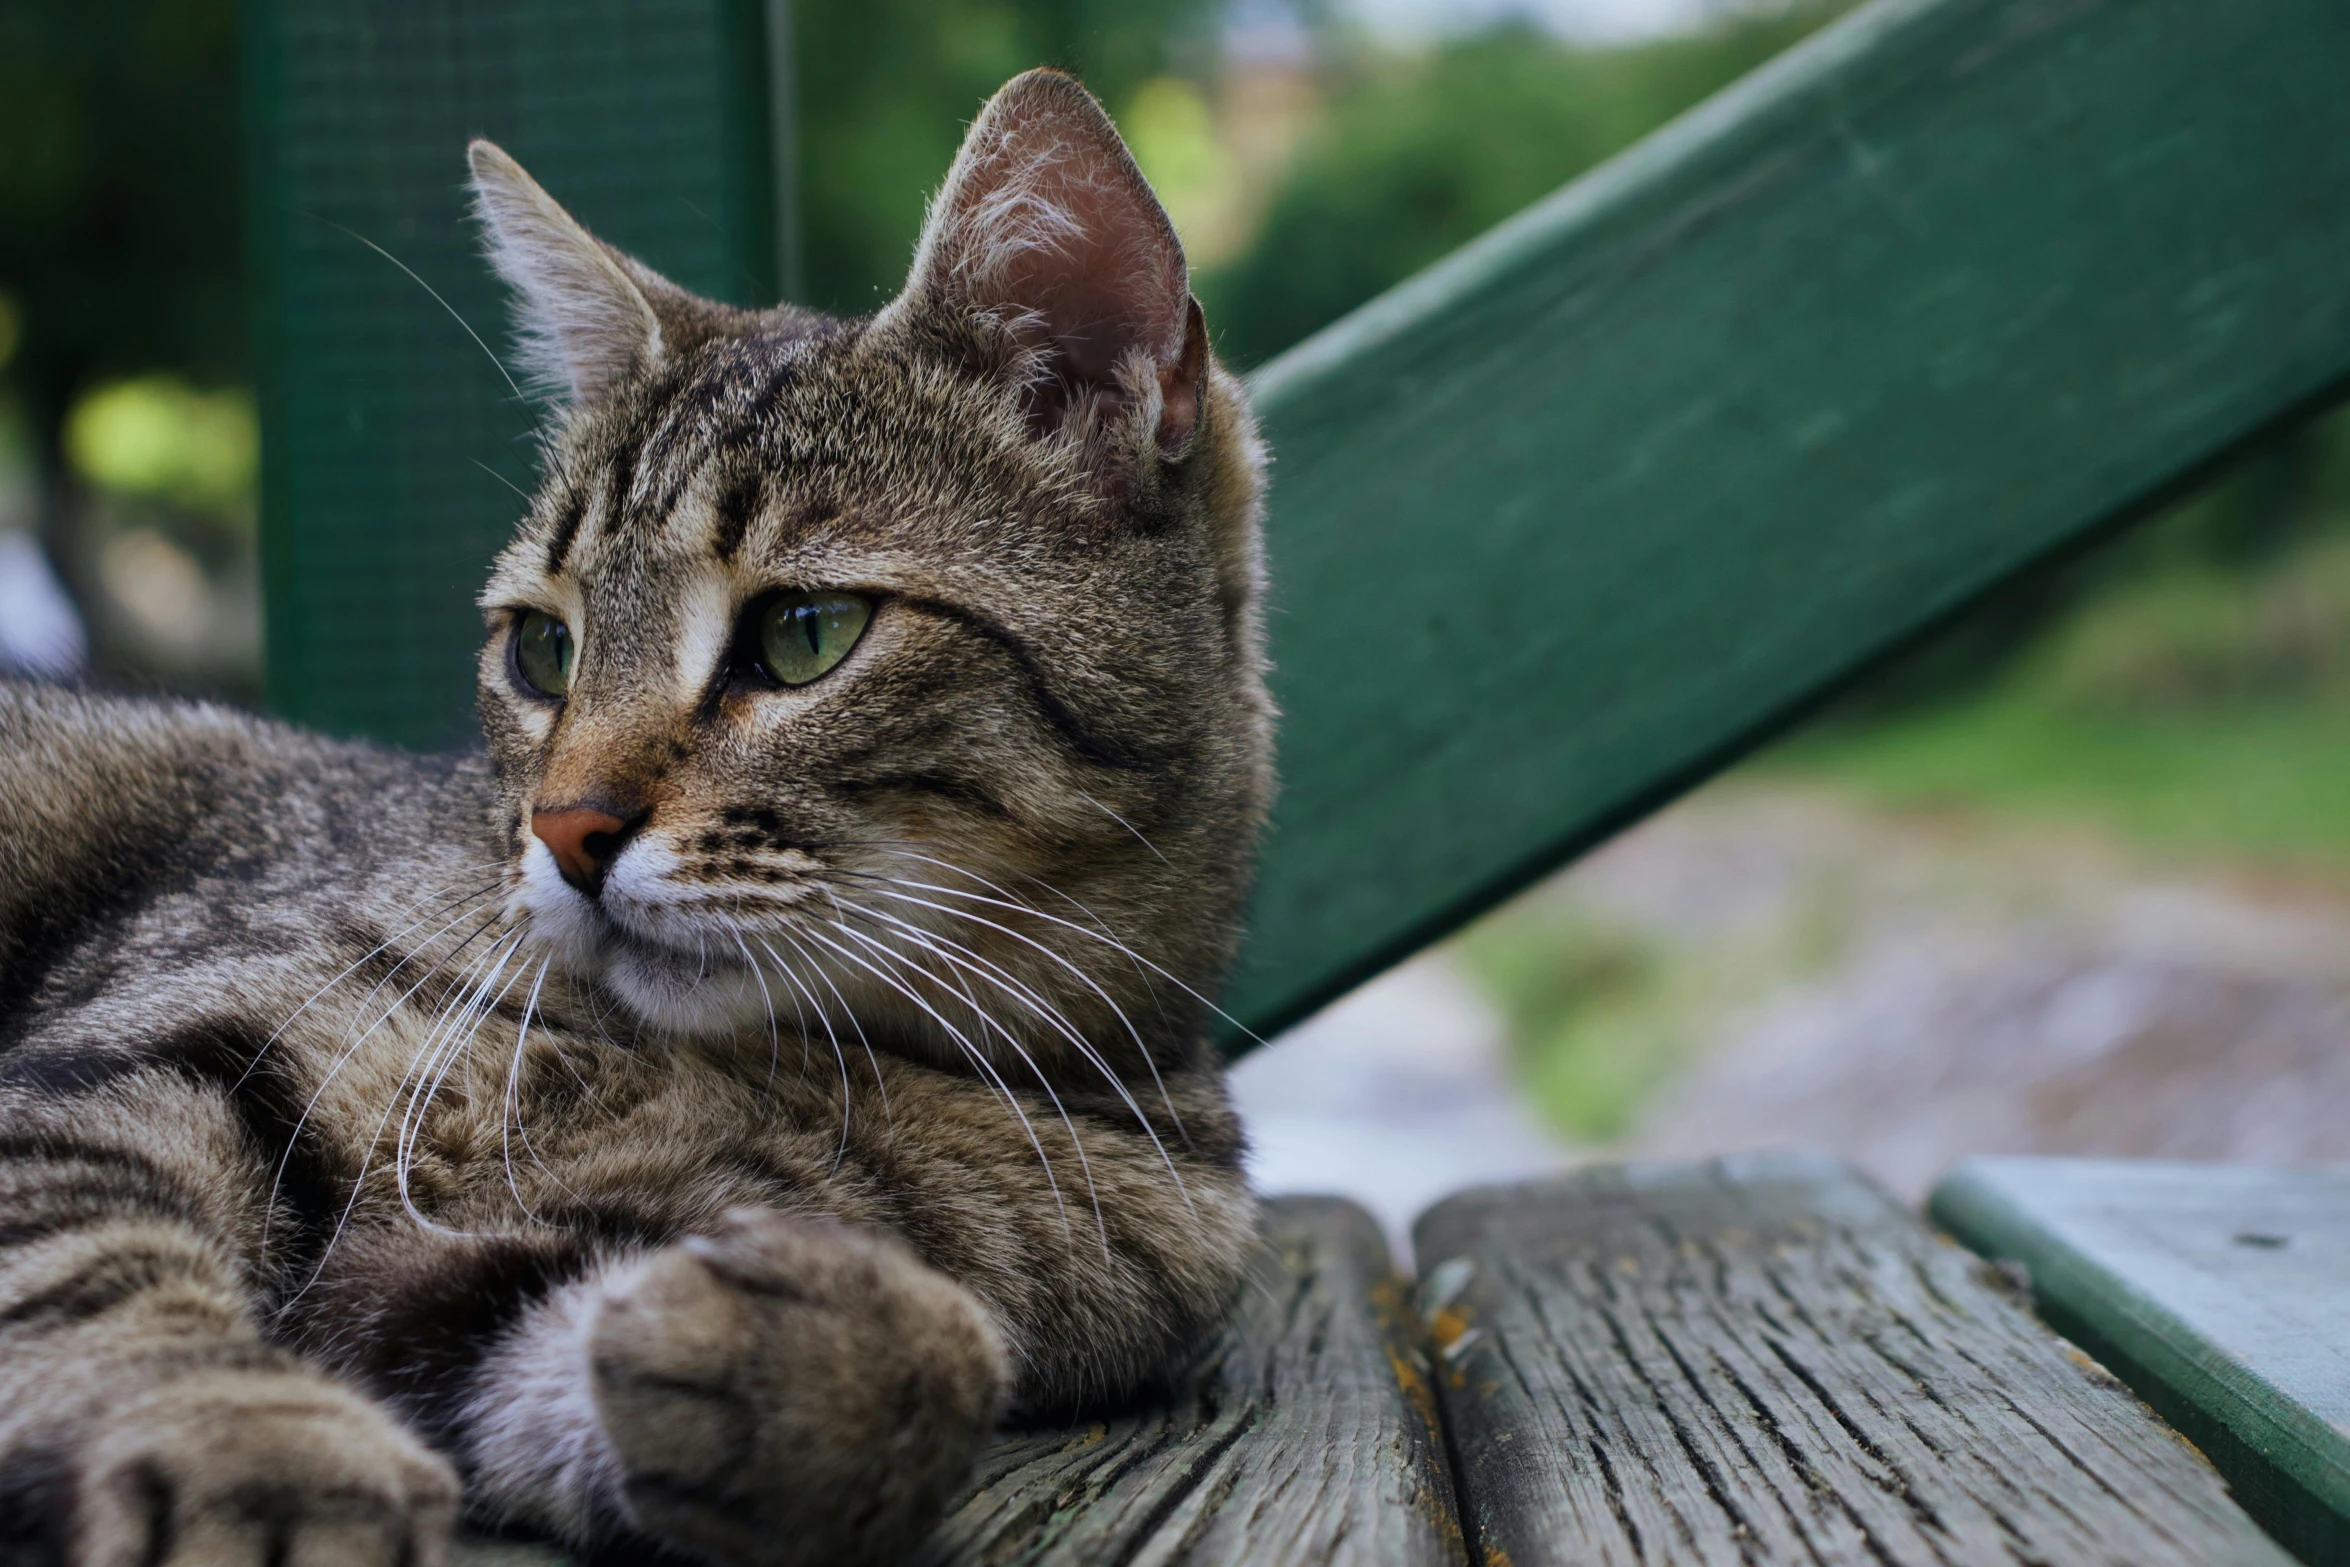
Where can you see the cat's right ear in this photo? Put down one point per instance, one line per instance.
(1047, 245)
(587, 313)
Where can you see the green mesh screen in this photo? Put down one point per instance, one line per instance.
(393, 446)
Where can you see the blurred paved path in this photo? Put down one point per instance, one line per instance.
(1970, 987)
(1395, 1096)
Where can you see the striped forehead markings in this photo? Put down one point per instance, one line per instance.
(567, 523)
(738, 501)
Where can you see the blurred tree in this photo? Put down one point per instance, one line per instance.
(886, 87)
(120, 227)
(1419, 154)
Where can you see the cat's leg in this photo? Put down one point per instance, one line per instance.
(804, 1390)
(144, 1417)
(782, 1390)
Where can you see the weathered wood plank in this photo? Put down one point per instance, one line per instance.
(1307, 1436)
(1592, 506)
(2221, 1293)
(1767, 1361)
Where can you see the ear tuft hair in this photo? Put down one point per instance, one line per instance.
(584, 310)
(1047, 231)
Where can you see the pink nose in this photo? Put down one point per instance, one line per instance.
(584, 841)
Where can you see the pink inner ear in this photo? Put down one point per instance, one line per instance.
(1109, 282)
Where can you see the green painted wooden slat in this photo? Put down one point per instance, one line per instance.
(1588, 509)
(2220, 1293)
(380, 412)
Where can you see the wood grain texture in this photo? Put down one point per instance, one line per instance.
(1767, 1361)
(2221, 1293)
(1307, 1436)
(1603, 499)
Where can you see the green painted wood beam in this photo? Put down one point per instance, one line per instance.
(1597, 504)
(393, 445)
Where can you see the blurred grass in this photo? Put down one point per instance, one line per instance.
(2185, 691)
(1601, 1013)
(1591, 1010)
(2266, 784)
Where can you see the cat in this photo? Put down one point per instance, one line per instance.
(696, 1118)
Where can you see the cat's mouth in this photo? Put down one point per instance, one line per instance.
(699, 992)
(676, 975)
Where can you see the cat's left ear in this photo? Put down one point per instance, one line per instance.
(589, 315)
(1046, 234)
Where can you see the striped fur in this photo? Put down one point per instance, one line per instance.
(356, 1168)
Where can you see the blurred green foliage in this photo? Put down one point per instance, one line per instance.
(119, 218)
(1592, 1012)
(1418, 154)
(886, 87)
(156, 437)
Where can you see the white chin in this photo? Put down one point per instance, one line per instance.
(682, 994)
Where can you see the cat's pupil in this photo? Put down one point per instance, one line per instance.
(542, 653)
(801, 635)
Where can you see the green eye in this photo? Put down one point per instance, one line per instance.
(542, 653)
(801, 635)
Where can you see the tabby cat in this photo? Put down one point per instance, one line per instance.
(696, 1120)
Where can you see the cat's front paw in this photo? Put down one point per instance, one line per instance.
(788, 1391)
(257, 1469)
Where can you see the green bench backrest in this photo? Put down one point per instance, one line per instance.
(1596, 504)
(1562, 525)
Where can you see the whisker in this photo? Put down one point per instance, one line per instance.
(1106, 936)
(1088, 981)
(428, 288)
(358, 962)
(978, 1059)
(1076, 1139)
(1109, 941)
(1129, 826)
(841, 1154)
(880, 1084)
(468, 1015)
(334, 1070)
(1150, 985)
(513, 1098)
(774, 1044)
(391, 1102)
(501, 478)
(995, 975)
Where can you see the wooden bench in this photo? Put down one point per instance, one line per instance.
(1614, 494)
(1750, 1361)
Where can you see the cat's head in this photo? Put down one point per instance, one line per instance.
(897, 679)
